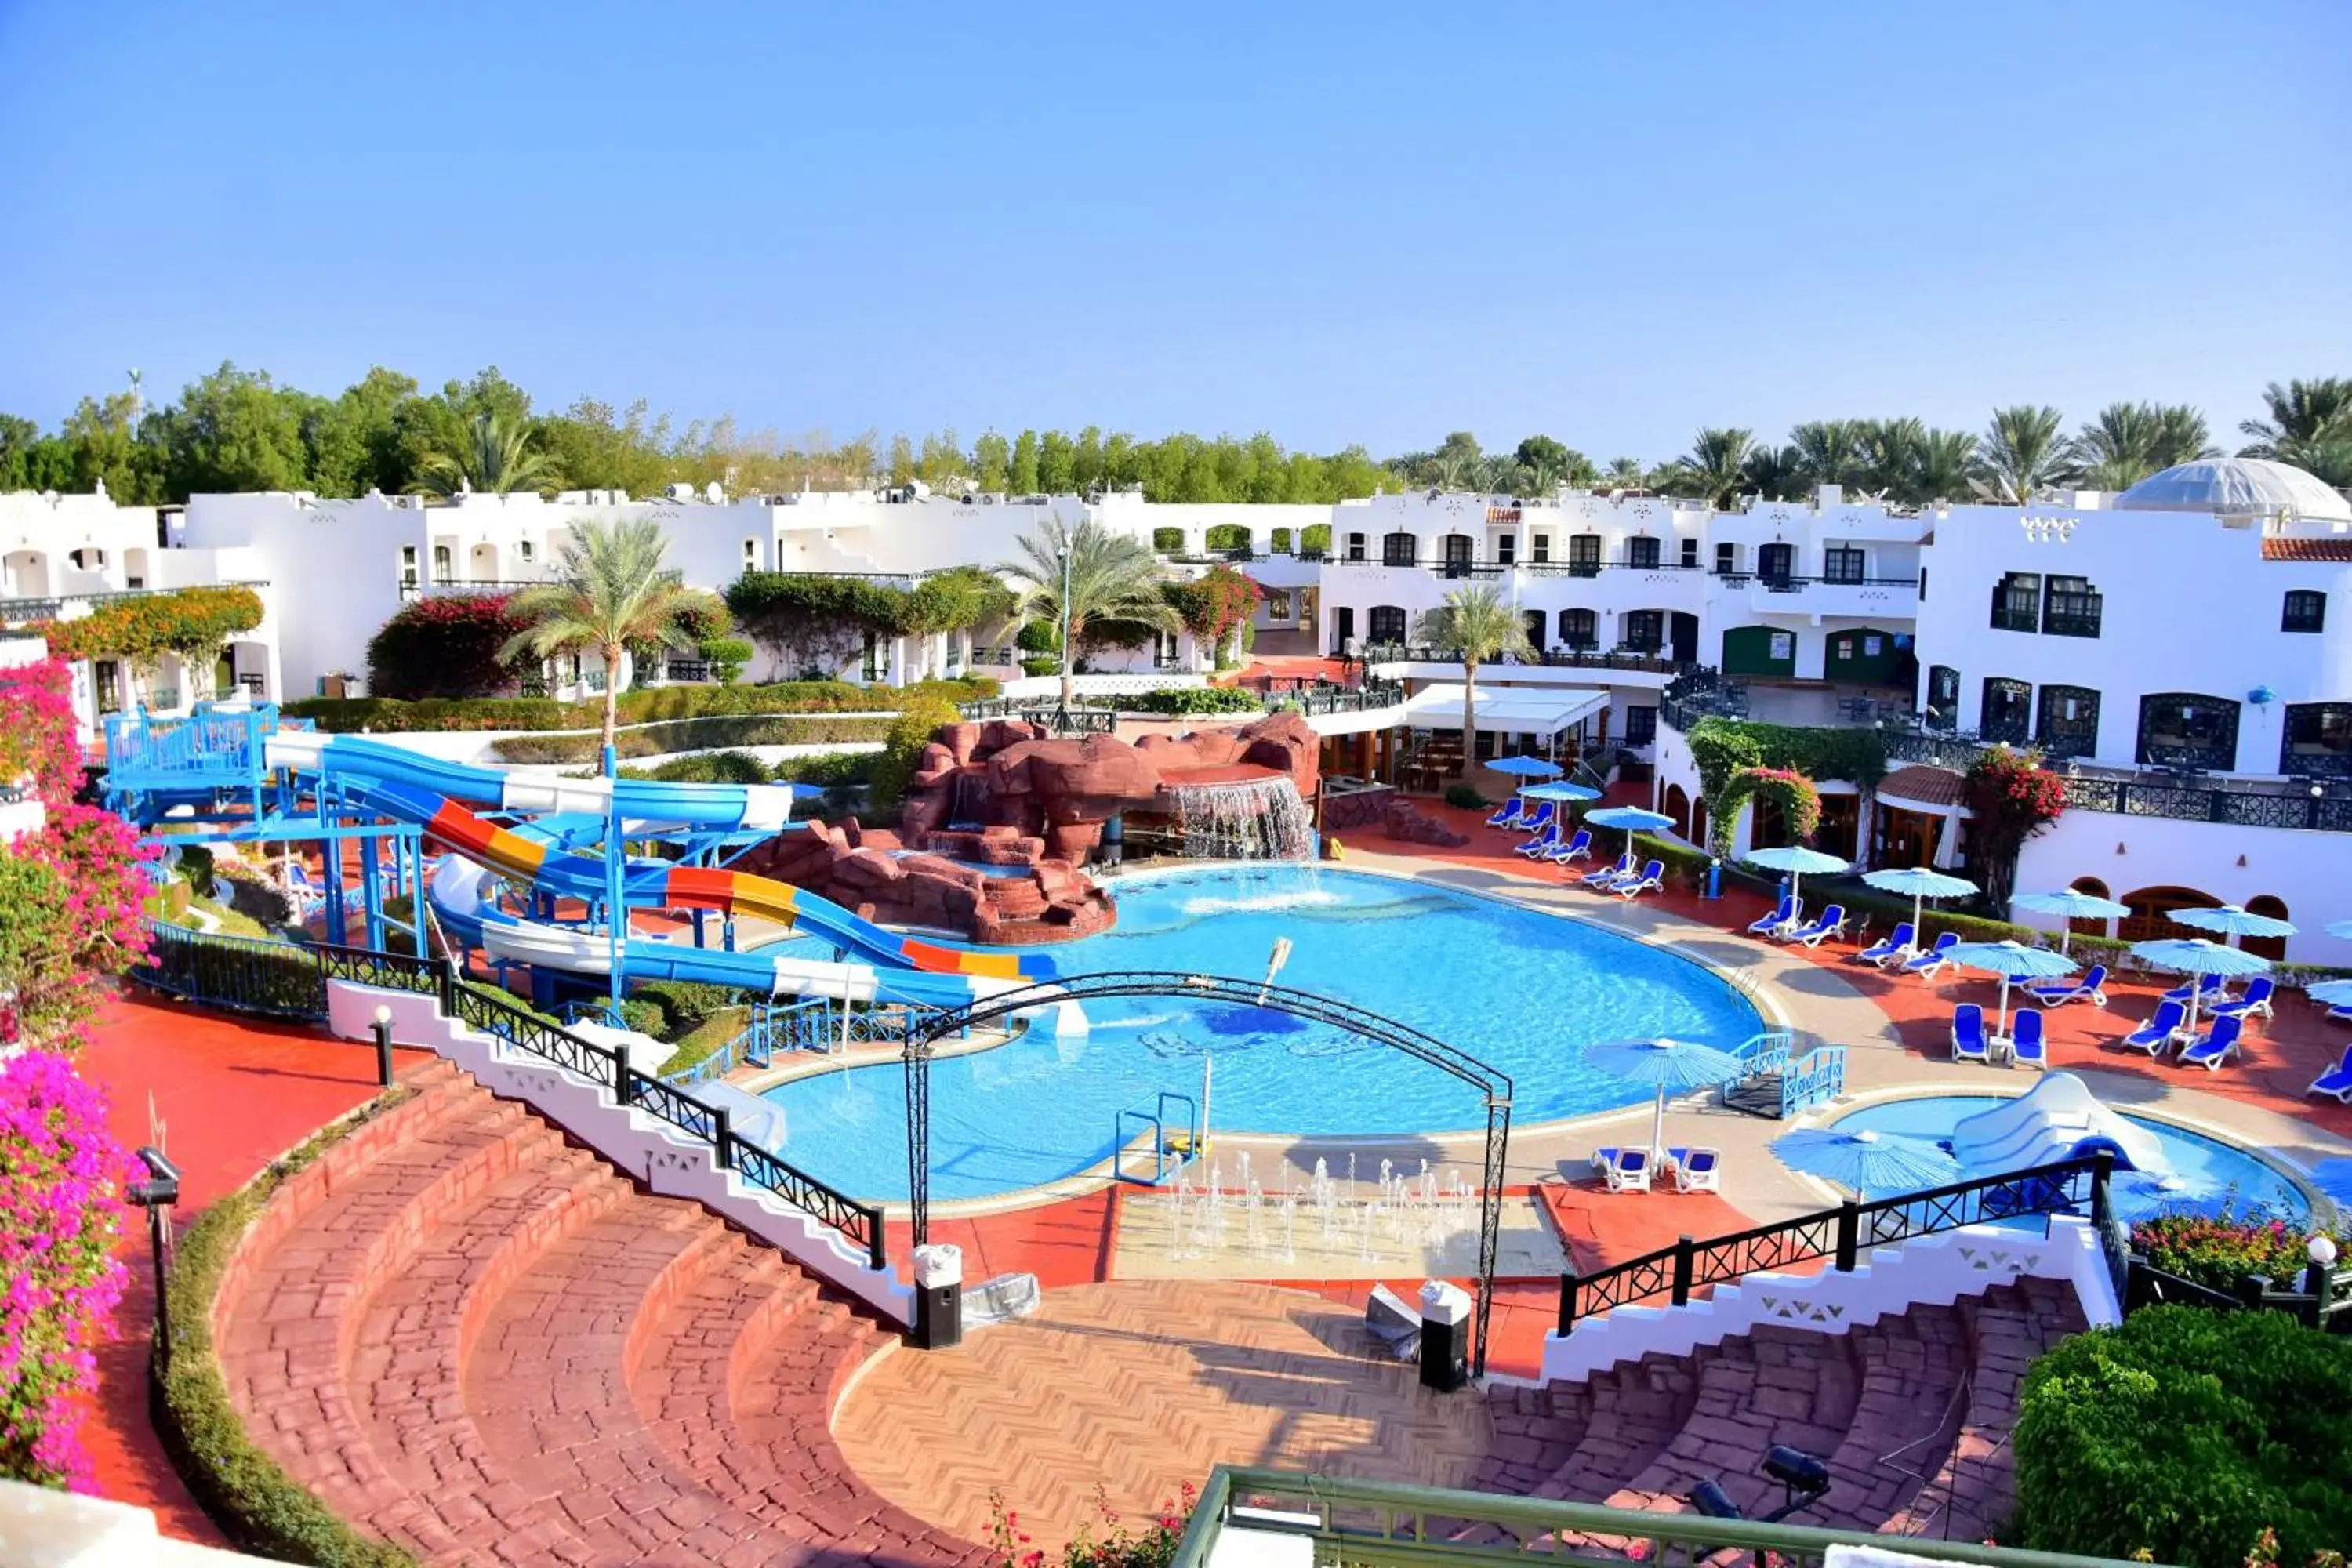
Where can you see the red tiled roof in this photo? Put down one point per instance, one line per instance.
(2278, 549)
(1929, 787)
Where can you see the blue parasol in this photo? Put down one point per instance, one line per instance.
(1524, 767)
(2073, 906)
(1921, 882)
(2012, 961)
(2232, 921)
(2194, 956)
(1632, 819)
(1796, 859)
(1664, 1064)
(1865, 1159)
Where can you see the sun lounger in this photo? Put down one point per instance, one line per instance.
(2091, 988)
(2336, 1080)
(1579, 847)
(1608, 874)
(1894, 944)
(1512, 813)
(1789, 912)
(2156, 1033)
(2027, 1045)
(2339, 1014)
(1542, 843)
(2209, 1051)
(2256, 1002)
(1652, 879)
(1926, 965)
(1625, 1170)
(1832, 921)
(1696, 1170)
(1968, 1042)
(2205, 987)
(1538, 821)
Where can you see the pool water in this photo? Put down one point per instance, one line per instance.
(2211, 1174)
(1521, 991)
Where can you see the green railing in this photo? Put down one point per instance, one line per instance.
(1376, 1524)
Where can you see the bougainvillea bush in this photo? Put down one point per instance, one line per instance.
(70, 899)
(38, 744)
(446, 647)
(1799, 801)
(2220, 1250)
(61, 1179)
(2011, 797)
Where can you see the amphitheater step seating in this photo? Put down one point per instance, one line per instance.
(483, 1344)
(1911, 1412)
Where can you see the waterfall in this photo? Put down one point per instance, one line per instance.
(1254, 819)
(971, 797)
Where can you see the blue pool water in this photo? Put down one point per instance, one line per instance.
(1521, 991)
(2211, 1174)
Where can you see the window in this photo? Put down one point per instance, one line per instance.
(1640, 726)
(1343, 628)
(523, 550)
(1507, 548)
(1399, 549)
(1923, 583)
(1690, 554)
(751, 555)
(1776, 564)
(109, 677)
(1277, 605)
(408, 566)
(1539, 548)
(1646, 630)
(2270, 947)
(1841, 563)
(2017, 602)
(2008, 709)
(1642, 550)
(1579, 628)
(2186, 729)
(1943, 695)
(878, 657)
(1458, 554)
(2069, 722)
(1387, 622)
(1356, 543)
(441, 563)
(1584, 555)
(2306, 611)
(1727, 560)
(1532, 622)
(2319, 740)
(88, 559)
(2071, 609)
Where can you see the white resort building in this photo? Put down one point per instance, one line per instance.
(2179, 651)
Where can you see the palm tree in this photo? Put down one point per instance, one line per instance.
(2022, 453)
(610, 589)
(2310, 425)
(2117, 449)
(1483, 627)
(1714, 461)
(1829, 451)
(1889, 451)
(2180, 435)
(1622, 474)
(489, 455)
(1774, 473)
(1945, 458)
(1108, 577)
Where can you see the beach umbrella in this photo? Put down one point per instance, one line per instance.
(1921, 882)
(2233, 921)
(1524, 767)
(2012, 961)
(2195, 956)
(1664, 1064)
(2331, 993)
(2340, 928)
(1563, 791)
(1865, 1159)
(1796, 860)
(2073, 906)
(1632, 819)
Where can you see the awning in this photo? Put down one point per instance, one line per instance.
(1507, 710)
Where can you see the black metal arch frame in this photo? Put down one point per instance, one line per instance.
(1493, 1085)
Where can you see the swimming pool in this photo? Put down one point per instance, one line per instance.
(1520, 990)
(2210, 1172)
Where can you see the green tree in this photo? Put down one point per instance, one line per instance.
(1086, 464)
(1946, 459)
(490, 454)
(99, 444)
(940, 463)
(992, 461)
(235, 430)
(2023, 453)
(1021, 479)
(1481, 628)
(1057, 464)
(1109, 577)
(593, 448)
(2180, 435)
(1624, 474)
(900, 463)
(2117, 450)
(1541, 454)
(19, 438)
(1774, 473)
(354, 442)
(610, 588)
(1890, 455)
(1829, 452)
(2310, 425)
(1714, 461)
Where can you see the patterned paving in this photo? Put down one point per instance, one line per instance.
(1135, 1388)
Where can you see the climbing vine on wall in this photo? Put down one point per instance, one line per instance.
(1721, 747)
(817, 623)
(190, 622)
(1800, 802)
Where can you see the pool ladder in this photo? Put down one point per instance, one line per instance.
(1164, 1156)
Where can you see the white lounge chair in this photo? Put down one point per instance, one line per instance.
(1696, 1170)
(1624, 1170)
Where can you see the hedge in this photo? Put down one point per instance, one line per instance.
(1190, 699)
(703, 734)
(684, 1005)
(346, 715)
(446, 648)
(2186, 1433)
(262, 1509)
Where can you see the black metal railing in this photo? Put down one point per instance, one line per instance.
(288, 981)
(693, 669)
(1561, 659)
(2067, 1186)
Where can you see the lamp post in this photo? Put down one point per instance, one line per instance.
(383, 1047)
(1069, 654)
(2319, 1279)
(156, 1195)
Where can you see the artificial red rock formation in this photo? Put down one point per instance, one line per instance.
(1407, 823)
(866, 871)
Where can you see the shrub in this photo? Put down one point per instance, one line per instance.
(1189, 700)
(2220, 1250)
(684, 1006)
(1038, 636)
(643, 1017)
(2186, 1434)
(196, 864)
(265, 1510)
(707, 767)
(61, 1175)
(344, 715)
(1799, 801)
(1045, 664)
(70, 915)
(41, 745)
(727, 655)
(902, 750)
(2013, 798)
(834, 770)
(1721, 747)
(190, 622)
(824, 621)
(696, 736)
(1467, 798)
(446, 647)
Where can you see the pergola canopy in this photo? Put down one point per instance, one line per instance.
(1507, 710)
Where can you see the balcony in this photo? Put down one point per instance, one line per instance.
(1863, 598)
(20, 612)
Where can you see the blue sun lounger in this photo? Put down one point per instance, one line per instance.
(1925, 966)
(1608, 874)
(2156, 1033)
(2209, 1051)
(1579, 847)
(1894, 944)
(2336, 1080)
(1790, 911)
(1512, 813)
(2091, 988)
(2027, 1044)
(1968, 1042)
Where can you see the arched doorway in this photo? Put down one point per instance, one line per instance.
(1698, 820)
(1678, 806)
(2084, 925)
(2270, 947)
(2151, 913)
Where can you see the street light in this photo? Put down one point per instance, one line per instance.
(1062, 552)
(156, 1195)
(383, 1046)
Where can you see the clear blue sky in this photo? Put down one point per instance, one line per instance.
(1370, 222)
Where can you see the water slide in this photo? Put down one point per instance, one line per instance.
(413, 788)
(2058, 1118)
